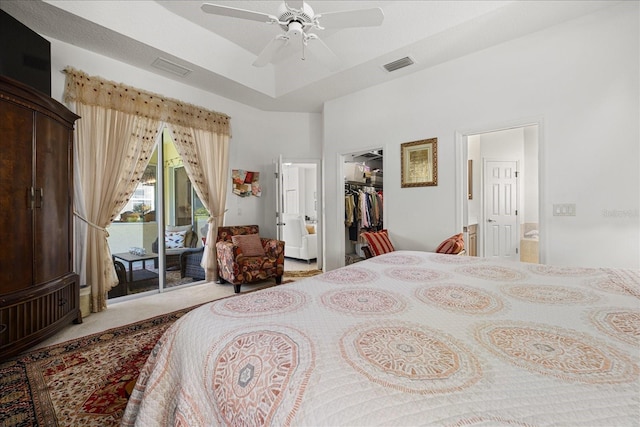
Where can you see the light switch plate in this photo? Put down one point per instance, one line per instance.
(564, 209)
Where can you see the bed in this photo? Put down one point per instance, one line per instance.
(406, 338)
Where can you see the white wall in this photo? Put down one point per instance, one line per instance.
(580, 79)
(530, 174)
(257, 136)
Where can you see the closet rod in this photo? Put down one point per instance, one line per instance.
(362, 184)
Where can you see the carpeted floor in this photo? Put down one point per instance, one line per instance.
(83, 382)
(80, 382)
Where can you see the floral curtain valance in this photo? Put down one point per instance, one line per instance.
(91, 90)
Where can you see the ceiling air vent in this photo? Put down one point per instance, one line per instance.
(172, 67)
(399, 63)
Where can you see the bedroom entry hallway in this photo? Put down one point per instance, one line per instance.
(499, 192)
(298, 223)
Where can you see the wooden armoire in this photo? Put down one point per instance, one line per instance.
(39, 292)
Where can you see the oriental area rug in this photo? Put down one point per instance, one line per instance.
(301, 273)
(83, 382)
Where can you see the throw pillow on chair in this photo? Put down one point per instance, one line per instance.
(249, 244)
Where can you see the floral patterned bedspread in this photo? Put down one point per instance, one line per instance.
(406, 338)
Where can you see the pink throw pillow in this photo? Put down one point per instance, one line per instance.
(249, 244)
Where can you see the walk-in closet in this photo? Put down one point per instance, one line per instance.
(364, 200)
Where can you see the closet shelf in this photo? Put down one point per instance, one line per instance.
(362, 184)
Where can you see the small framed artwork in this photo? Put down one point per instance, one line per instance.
(419, 163)
(246, 183)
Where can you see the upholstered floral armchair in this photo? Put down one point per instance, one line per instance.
(244, 257)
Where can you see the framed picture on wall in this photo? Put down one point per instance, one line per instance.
(419, 163)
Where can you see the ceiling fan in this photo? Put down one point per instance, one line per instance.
(297, 20)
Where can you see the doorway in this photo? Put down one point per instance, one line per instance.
(363, 191)
(499, 192)
(299, 219)
(164, 207)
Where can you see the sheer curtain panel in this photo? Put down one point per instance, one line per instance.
(114, 140)
(206, 161)
(113, 149)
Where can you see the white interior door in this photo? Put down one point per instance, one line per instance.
(291, 188)
(279, 198)
(501, 236)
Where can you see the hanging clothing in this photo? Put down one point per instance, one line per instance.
(349, 208)
(363, 210)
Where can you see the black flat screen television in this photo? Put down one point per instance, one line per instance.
(24, 54)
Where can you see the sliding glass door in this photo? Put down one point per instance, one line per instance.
(163, 208)
(133, 236)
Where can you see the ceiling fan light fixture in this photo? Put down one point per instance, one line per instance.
(295, 29)
(287, 15)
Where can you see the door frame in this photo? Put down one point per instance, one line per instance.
(461, 175)
(319, 202)
(341, 159)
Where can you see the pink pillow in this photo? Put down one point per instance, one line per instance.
(249, 244)
(378, 242)
(453, 245)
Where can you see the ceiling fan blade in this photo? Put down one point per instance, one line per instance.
(237, 13)
(270, 50)
(321, 51)
(352, 18)
(295, 4)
